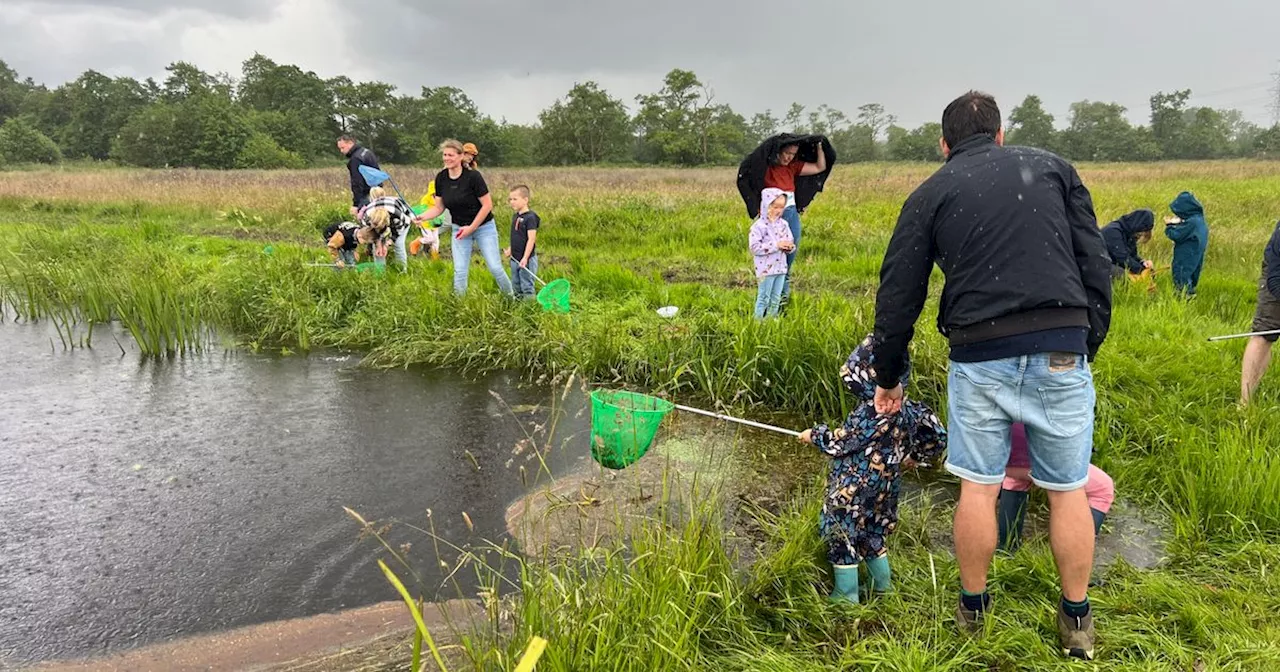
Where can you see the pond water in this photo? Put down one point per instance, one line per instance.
(145, 499)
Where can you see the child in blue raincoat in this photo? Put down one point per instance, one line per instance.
(1190, 235)
(868, 452)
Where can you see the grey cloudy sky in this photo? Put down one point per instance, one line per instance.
(514, 57)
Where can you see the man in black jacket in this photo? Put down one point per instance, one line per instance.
(357, 156)
(1026, 305)
(1257, 354)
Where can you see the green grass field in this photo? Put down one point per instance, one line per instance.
(171, 254)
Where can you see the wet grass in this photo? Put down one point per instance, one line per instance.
(183, 252)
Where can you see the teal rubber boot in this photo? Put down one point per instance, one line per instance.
(881, 576)
(846, 583)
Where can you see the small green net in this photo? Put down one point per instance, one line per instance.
(371, 267)
(623, 425)
(555, 296)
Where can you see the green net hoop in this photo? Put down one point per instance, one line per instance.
(555, 296)
(371, 267)
(623, 425)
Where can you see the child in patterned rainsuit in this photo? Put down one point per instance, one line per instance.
(868, 453)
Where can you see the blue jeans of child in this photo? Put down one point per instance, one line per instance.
(793, 222)
(486, 238)
(521, 280)
(347, 257)
(1051, 393)
(769, 294)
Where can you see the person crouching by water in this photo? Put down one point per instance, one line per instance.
(343, 240)
(391, 218)
(861, 506)
(1122, 238)
(1011, 508)
(770, 241)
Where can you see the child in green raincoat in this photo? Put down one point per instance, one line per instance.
(1190, 235)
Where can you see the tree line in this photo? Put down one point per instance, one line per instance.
(280, 116)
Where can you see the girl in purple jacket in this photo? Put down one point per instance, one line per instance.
(770, 241)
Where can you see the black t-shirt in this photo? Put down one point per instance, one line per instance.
(462, 196)
(521, 225)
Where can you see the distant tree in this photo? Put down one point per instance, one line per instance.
(147, 139)
(920, 144)
(873, 116)
(209, 131)
(1241, 132)
(681, 124)
(298, 106)
(855, 144)
(587, 126)
(417, 125)
(793, 122)
(861, 141)
(22, 142)
(517, 144)
(763, 125)
(1031, 126)
(12, 92)
(1207, 136)
(1267, 144)
(1169, 122)
(261, 152)
(364, 109)
(186, 80)
(1101, 132)
(827, 120)
(94, 108)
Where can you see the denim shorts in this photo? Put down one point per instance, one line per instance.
(1050, 393)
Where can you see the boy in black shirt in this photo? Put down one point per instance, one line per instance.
(524, 236)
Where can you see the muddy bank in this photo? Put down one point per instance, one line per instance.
(370, 638)
(695, 460)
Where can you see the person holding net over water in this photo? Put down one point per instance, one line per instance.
(868, 453)
(390, 218)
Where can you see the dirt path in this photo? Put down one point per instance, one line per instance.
(370, 638)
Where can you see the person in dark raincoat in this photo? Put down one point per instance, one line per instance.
(868, 452)
(1122, 237)
(1190, 235)
(799, 165)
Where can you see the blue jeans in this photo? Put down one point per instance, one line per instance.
(793, 222)
(402, 257)
(1051, 393)
(347, 257)
(769, 294)
(486, 238)
(520, 278)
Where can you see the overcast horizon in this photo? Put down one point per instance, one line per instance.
(514, 62)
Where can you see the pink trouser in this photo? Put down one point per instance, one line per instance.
(1100, 489)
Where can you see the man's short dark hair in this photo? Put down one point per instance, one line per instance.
(346, 138)
(973, 113)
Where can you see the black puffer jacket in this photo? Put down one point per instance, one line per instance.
(1121, 238)
(360, 156)
(751, 171)
(1013, 230)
